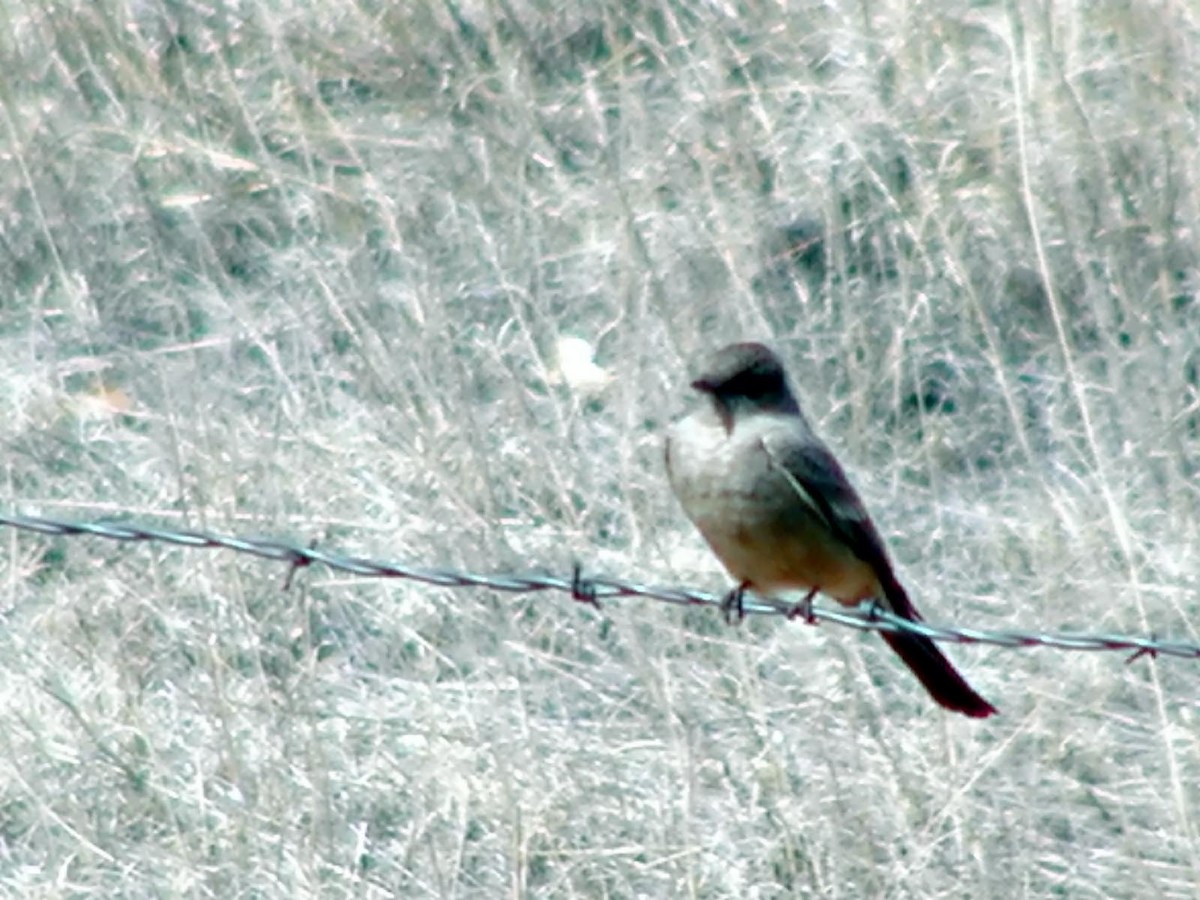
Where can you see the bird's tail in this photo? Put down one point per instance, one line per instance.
(931, 667)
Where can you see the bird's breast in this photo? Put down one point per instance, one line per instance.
(751, 514)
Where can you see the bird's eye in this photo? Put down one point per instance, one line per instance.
(755, 384)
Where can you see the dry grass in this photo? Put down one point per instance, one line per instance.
(299, 269)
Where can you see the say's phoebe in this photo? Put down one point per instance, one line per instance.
(779, 512)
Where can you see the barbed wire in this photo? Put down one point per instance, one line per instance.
(591, 590)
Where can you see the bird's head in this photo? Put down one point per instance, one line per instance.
(746, 377)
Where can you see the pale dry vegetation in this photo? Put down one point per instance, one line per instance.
(299, 269)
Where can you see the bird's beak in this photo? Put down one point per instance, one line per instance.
(703, 385)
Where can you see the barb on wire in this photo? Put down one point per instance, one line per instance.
(591, 590)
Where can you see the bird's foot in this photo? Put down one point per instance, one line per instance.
(804, 609)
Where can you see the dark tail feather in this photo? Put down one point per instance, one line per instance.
(940, 678)
(931, 667)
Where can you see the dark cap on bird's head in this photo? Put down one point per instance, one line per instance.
(748, 371)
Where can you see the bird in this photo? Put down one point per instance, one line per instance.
(776, 507)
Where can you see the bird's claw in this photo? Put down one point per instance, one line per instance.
(804, 609)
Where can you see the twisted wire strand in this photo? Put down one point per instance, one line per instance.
(590, 590)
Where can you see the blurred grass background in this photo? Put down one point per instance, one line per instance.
(302, 269)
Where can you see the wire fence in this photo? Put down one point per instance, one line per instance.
(588, 589)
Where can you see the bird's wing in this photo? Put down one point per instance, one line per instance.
(819, 480)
